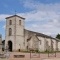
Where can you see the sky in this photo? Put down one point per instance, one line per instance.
(41, 15)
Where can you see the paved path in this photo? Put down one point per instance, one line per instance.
(52, 59)
(28, 57)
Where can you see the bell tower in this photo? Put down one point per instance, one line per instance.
(14, 33)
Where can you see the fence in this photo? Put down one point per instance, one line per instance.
(39, 55)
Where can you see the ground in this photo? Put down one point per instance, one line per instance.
(32, 56)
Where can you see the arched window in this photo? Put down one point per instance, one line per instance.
(10, 22)
(10, 31)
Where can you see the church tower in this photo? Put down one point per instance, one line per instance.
(14, 33)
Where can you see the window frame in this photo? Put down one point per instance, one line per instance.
(19, 22)
(10, 22)
(10, 31)
(40, 42)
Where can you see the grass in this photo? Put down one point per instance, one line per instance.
(3, 59)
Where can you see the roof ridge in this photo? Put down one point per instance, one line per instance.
(14, 15)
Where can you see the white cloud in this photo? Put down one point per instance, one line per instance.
(45, 18)
(41, 6)
(4, 27)
(3, 16)
(34, 25)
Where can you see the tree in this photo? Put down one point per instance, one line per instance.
(58, 36)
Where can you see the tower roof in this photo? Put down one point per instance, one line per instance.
(15, 16)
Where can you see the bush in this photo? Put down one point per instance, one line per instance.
(46, 51)
(36, 50)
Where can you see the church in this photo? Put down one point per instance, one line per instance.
(17, 37)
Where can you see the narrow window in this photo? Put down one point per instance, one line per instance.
(10, 22)
(19, 22)
(47, 43)
(40, 42)
(27, 47)
(10, 31)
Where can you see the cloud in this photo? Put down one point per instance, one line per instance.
(43, 18)
(4, 27)
(41, 6)
(3, 16)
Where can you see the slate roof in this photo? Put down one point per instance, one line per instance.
(42, 35)
(15, 16)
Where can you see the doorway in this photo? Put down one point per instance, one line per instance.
(10, 45)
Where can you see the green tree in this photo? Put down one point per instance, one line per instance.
(58, 36)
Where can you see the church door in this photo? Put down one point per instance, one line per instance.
(10, 45)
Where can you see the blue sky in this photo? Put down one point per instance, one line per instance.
(41, 15)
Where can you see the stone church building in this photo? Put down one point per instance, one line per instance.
(0, 43)
(17, 37)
